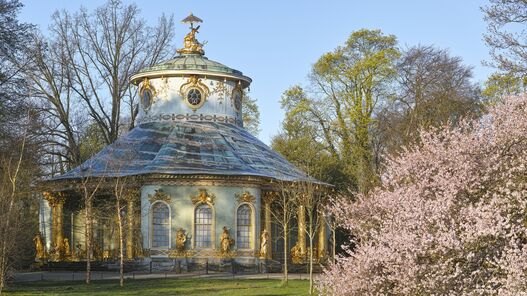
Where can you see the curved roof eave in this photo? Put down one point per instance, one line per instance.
(136, 78)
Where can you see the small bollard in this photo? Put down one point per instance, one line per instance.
(207, 267)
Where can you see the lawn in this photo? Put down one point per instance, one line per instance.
(179, 286)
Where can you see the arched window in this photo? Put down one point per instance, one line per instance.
(243, 226)
(160, 225)
(203, 226)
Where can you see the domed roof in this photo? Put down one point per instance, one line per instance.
(190, 64)
(188, 148)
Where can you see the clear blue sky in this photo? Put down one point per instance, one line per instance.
(276, 42)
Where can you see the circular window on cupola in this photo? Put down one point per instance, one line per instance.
(194, 97)
(194, 92)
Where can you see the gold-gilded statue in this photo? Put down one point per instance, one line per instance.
(190, 43)
(297, 256)
(66, 247)
(264, 244)
(181, 238)
(39, 247)
(226, 241)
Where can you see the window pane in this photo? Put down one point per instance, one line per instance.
(244, 227)
(203, 226)
(161, 226)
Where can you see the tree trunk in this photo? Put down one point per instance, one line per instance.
(285, 280)
(88, 238)
(5, 240)
(334, 243)
(311, 236)
(121, 254)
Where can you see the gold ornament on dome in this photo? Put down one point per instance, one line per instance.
(194, 92)
(203, 197)
(191, 45)
(245, 197)
(159, 195)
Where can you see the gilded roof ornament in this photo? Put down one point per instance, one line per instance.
(190, 44)
(245, 197)
(203, 197)
(159, 195)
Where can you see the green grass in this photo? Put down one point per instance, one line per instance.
(195, 286)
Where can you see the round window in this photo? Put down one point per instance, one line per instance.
(194, 97)
(146, 98)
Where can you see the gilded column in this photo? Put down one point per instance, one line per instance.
(268, 198)
(56, 202)
(130, 208)
(301, 229)
(322, 228)
(59, 207)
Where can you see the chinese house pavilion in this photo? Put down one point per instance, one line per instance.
(195, 184)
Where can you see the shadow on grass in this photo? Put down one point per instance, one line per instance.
(194, 286)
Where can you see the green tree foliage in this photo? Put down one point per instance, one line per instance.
(500, 85)
(368, 98)
(506, 38)
(347, 84)
(299, 143)
(251, 115)
(91, 142)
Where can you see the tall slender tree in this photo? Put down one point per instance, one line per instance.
(89, 58)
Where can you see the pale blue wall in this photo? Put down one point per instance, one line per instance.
(168, 100)
(44, 217)
(182, 210)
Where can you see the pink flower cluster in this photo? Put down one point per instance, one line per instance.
(449, 219)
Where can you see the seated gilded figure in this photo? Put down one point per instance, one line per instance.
(191, 44)
(181, 238)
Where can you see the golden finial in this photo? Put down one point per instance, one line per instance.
(190, 44)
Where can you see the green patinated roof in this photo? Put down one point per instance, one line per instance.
(192, 62)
